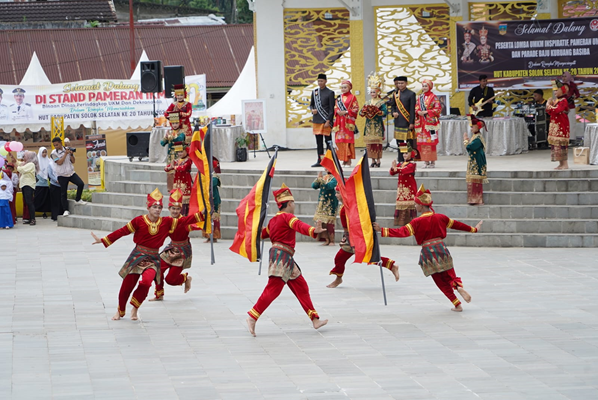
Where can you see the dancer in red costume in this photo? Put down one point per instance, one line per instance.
(184, 108)
(346, 251)
(429, 230)
(149, 231)
(177, 256)
(282, 268)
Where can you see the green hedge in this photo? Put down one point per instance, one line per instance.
(86, 196)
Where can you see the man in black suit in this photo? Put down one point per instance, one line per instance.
(322, 108)
(402, 105)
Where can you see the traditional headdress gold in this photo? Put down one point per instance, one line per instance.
(375, 81)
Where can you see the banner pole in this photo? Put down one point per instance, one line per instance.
(213, 260)
(382, 279)
(259, 272)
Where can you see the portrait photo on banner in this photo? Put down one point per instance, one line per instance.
(443, 98)
(254, 116)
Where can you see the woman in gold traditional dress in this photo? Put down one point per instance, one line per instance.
(327, 206)
(374, 111)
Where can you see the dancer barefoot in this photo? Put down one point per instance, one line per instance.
(282, 268)
(177, 256)
(429, 230)
(346, 251)
(149, 232)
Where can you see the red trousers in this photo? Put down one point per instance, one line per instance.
(175, 277)
(343, 256)
(448, 282)
(140, 293)
(275, 284)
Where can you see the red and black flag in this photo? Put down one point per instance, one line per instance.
(331, 163)
(359, 200)
(251, 214)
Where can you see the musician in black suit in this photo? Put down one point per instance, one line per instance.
(322, 108)
(482, 92)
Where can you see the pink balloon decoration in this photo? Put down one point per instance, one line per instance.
(16, 146)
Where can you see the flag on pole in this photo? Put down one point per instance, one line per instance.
(251, 214)
(201, 195)
(331, 163)
(359, 200)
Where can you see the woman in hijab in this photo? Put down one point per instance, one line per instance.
(41, 197)
(345, 112)
(55, 202)
(427, 124)
(28, 168)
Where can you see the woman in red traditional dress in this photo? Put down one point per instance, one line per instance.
(345, 112)
(406, 188)
(558, 131)
(427, 124)
(184, 108)
(182, 178)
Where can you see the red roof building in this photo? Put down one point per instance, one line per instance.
(69, 55)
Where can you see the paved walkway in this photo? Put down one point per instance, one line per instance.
(531, 331)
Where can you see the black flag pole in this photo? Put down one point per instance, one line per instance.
(267, 189)
(367, 186)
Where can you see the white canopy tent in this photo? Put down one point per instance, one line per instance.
(245, 88)
(35, 74)
(137, 72)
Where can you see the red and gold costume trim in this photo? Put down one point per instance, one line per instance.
(254, 314)
(106, 241)
(135, 303)
(153, 227)
(130, 227)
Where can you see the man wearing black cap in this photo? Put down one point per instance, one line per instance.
(20, 110)
(402, 106)
(322, 108)
(485, 93)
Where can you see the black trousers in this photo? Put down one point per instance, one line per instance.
(411, 142)
(55, 202)
(64, 186)
(320, 139)
(28, 199)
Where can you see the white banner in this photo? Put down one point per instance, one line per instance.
(111, 103)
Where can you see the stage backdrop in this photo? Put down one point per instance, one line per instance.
(111, 103)
(527, 54)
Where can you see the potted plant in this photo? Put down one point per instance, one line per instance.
(242, 142)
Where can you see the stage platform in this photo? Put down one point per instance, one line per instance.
(527, 202)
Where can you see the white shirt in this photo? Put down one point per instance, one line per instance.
(66, 169)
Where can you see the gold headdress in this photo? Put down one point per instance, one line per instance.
(483, 31)
(375, 81)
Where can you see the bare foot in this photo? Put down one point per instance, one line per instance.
(466, 296)
(395, 272)
(157, 298)
(318, 323)
(116, 316)
(331, 244)
(457, 309)
(134, 315)
(251, 325)
(337, 281)
(207, 241)
(188, 284)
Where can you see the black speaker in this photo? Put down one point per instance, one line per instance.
(173, 75)
(151, 77)
(138, 145)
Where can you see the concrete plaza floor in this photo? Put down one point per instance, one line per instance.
(531, 331)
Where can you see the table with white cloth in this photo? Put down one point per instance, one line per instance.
(590, 139)
(157, 152)
(504, 136)
(223, 142)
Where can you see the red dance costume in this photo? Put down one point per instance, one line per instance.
(429, 230)
(144, 261)
(406, 189)
(185, 109)
(183, 181)
(177, 256)
(346, 250)
(282, 268)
